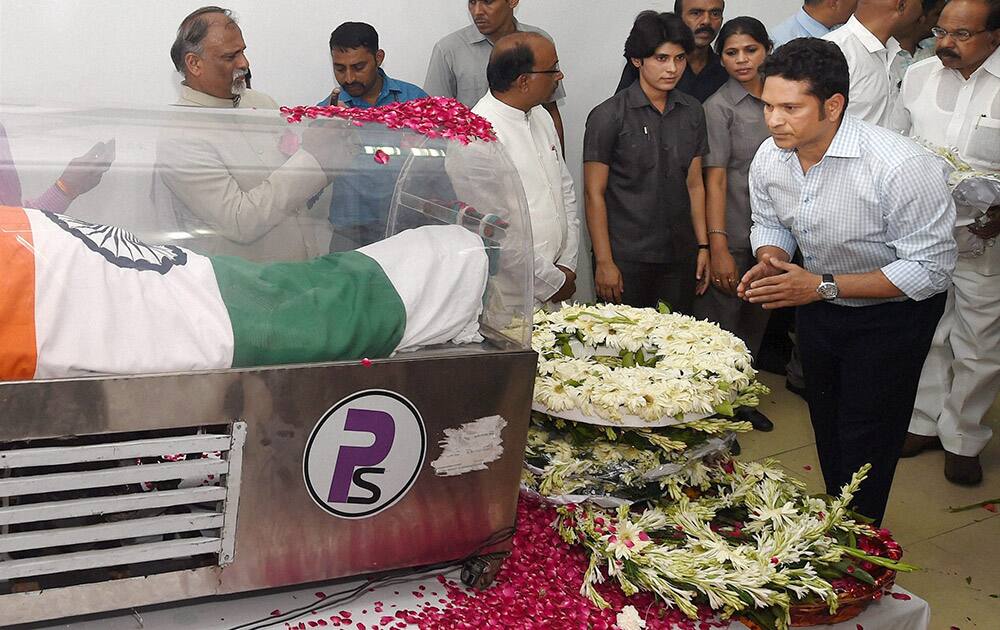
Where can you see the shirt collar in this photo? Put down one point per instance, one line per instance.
(735, 91)
(847, 142)
(810, 24)
(472, 35)
(204, 100)
(388, 85)
(871, 43)
(504, 110)
(992, 64)
(636, 98)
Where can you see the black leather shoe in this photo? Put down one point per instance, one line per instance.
(962, 470)
(798, 390)
(759, 421)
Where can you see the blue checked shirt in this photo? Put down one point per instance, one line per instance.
(876, 200)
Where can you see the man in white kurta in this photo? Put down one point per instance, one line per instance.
(523, 73)
(953, 100)
(867, 43)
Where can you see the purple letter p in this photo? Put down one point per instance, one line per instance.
(378, 423)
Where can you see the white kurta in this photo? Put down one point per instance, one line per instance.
(531, 142)
(874, 84)
(961, 376)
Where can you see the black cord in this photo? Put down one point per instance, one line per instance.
(397, 577)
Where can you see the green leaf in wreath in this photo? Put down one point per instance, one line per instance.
(725, 409)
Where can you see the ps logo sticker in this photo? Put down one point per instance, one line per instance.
(364, 454)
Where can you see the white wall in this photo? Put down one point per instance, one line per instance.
(116, 52)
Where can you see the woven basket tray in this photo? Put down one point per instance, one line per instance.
(817, 614)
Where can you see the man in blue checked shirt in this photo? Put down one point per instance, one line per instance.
(360, 204)
(873, 215)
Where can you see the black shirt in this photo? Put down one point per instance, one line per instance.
(648, 155)
(700, 85)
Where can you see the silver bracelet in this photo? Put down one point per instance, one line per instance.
(722, 232)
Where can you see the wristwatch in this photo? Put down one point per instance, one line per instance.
(828, 289)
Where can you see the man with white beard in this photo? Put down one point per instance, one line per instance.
(229, 184)
(211, 54)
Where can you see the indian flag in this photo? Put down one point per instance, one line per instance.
(79, 299)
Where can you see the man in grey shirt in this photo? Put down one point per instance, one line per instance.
(458, 63)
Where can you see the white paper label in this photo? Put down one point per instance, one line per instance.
(470, 447)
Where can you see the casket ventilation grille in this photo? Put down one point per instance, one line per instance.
(95, 508)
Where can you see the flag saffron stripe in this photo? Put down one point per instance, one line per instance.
(18, 348)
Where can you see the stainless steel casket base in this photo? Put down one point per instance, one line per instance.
(282, 537)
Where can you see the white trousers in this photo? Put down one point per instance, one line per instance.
(961, 376)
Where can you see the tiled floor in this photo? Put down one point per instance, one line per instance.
(959, 553)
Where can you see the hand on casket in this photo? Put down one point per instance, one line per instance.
(332, 143)
(85, 172)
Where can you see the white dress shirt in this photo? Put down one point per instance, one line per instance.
(940, 106)
(874, 77)
(875, 201)
(532, 144)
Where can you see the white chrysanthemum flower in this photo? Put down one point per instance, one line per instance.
(629, 619)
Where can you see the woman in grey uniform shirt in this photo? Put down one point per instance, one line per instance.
(736, 128)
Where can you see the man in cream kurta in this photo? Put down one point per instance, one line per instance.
(523, 73)
(953, 100)
(223, 177)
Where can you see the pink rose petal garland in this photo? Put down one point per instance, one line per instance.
(539, 587)
(434, 117)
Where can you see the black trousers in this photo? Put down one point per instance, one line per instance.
(861, 368)
(647, 284)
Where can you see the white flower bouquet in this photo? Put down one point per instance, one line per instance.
(749, 543)
(970, 187)
(633, 367)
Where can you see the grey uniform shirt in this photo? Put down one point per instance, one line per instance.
(458, 65)
(648, 155)
(736, 129)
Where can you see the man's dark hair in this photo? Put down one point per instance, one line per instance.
(678, 6)
(354, 35)
(817, 62)
(743, 25)
(191, 35)
(507, 65)
(993, 19)
(652, 30)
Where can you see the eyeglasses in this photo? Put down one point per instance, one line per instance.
(960, 35)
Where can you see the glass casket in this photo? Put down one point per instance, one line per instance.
(253, 352)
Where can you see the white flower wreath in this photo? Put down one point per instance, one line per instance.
(624, 366)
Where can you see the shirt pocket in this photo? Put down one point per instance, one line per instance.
(685, 147)
(635, 150)
(984, 141)
(745, 139)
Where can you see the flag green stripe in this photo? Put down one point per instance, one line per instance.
(336, 307)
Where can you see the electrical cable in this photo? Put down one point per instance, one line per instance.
(396, 577)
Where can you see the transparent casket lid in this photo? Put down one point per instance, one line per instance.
(182, 239)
